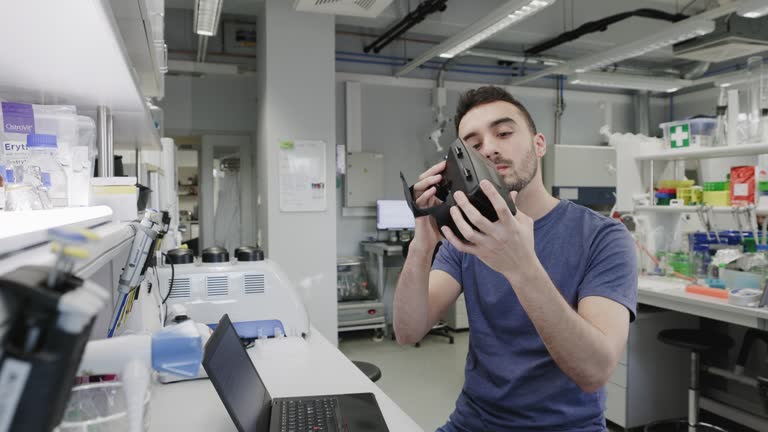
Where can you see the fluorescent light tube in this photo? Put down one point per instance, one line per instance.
(631, 82)
(207, 14)
(518, 11)
(676, 33)
(752, 8)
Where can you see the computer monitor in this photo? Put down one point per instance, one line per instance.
(394, 215)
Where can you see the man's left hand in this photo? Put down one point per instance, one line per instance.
(506, 245)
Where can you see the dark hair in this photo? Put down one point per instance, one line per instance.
(488, 94)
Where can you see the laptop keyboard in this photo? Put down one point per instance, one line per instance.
(308, 415)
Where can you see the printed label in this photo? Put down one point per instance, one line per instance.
(15, 152)
(741, 189)
(13, 379)
(18, 118)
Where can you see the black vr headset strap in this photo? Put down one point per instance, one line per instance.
(417, 212)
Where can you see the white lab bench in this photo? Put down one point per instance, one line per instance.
(289, 367)
(639, 390)
(670, 294)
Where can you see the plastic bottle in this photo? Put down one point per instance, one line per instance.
(43, 162)
(700, 261)
(754, 96)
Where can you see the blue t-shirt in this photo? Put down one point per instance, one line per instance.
(511, 381)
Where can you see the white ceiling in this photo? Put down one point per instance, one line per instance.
(562, 16)
(557, 18)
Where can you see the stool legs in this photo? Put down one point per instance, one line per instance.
(693, 392)
(694, 425)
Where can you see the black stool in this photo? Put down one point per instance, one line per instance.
(697, 341)
(369, 369)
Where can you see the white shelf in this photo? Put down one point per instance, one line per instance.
(133, 19)
(706, 152)
(114, 238)
(24, 229)
(761, 211)
(73, 54)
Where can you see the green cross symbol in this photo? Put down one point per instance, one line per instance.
(679, 136)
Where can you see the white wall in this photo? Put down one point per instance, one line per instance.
(214, 104)
(397, 117)
(296, 93)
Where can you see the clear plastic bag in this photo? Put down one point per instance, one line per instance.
(99, 407)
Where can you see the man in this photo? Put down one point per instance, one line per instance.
(550, 292)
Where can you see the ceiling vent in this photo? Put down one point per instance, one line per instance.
(358, 8)
(734, 37)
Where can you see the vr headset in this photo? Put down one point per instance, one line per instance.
(464, 171)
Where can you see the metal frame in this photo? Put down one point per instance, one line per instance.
(105, 131)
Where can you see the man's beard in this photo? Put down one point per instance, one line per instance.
(517, 178)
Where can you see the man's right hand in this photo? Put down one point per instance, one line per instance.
(427, 233)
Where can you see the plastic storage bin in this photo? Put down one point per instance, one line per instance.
(352, 282)
(690, 195)
(118, 193)
(698, 132)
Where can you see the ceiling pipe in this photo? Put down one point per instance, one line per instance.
(422, 11)
(552, 61)
(602, 25)
(711, 14)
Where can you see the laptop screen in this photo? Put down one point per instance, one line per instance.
(236, 380)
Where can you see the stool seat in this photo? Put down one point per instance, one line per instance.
(369, 369)
(695, 339)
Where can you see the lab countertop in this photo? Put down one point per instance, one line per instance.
(289, 367)
(670, 294)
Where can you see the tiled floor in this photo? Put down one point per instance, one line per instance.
(437, 364)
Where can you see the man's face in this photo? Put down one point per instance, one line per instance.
(498, 130)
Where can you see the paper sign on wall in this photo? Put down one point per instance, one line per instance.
(302, 176)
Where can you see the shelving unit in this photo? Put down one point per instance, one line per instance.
(76, 55)
(115, 238)
(761, 211)
(704, 152)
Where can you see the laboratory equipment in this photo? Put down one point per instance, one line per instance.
(394, 215)
(721, 137)
(48, 329)
(352, 280)
(148, 231)
(754, 97)
(464, 170)
(359, 306)
(254, 291)
(176, 349)
(43, 164)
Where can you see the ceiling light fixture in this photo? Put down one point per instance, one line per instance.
(631, 82)
(509, 13)
(207, 14)
(521, 12)
(752, 8)
(676, 33)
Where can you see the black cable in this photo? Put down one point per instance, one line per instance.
(173, 276)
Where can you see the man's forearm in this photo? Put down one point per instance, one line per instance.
(579, 348)
(411, 303)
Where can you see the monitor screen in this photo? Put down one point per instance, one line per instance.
(394, 215)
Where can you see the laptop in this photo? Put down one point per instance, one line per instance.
(252, 409)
